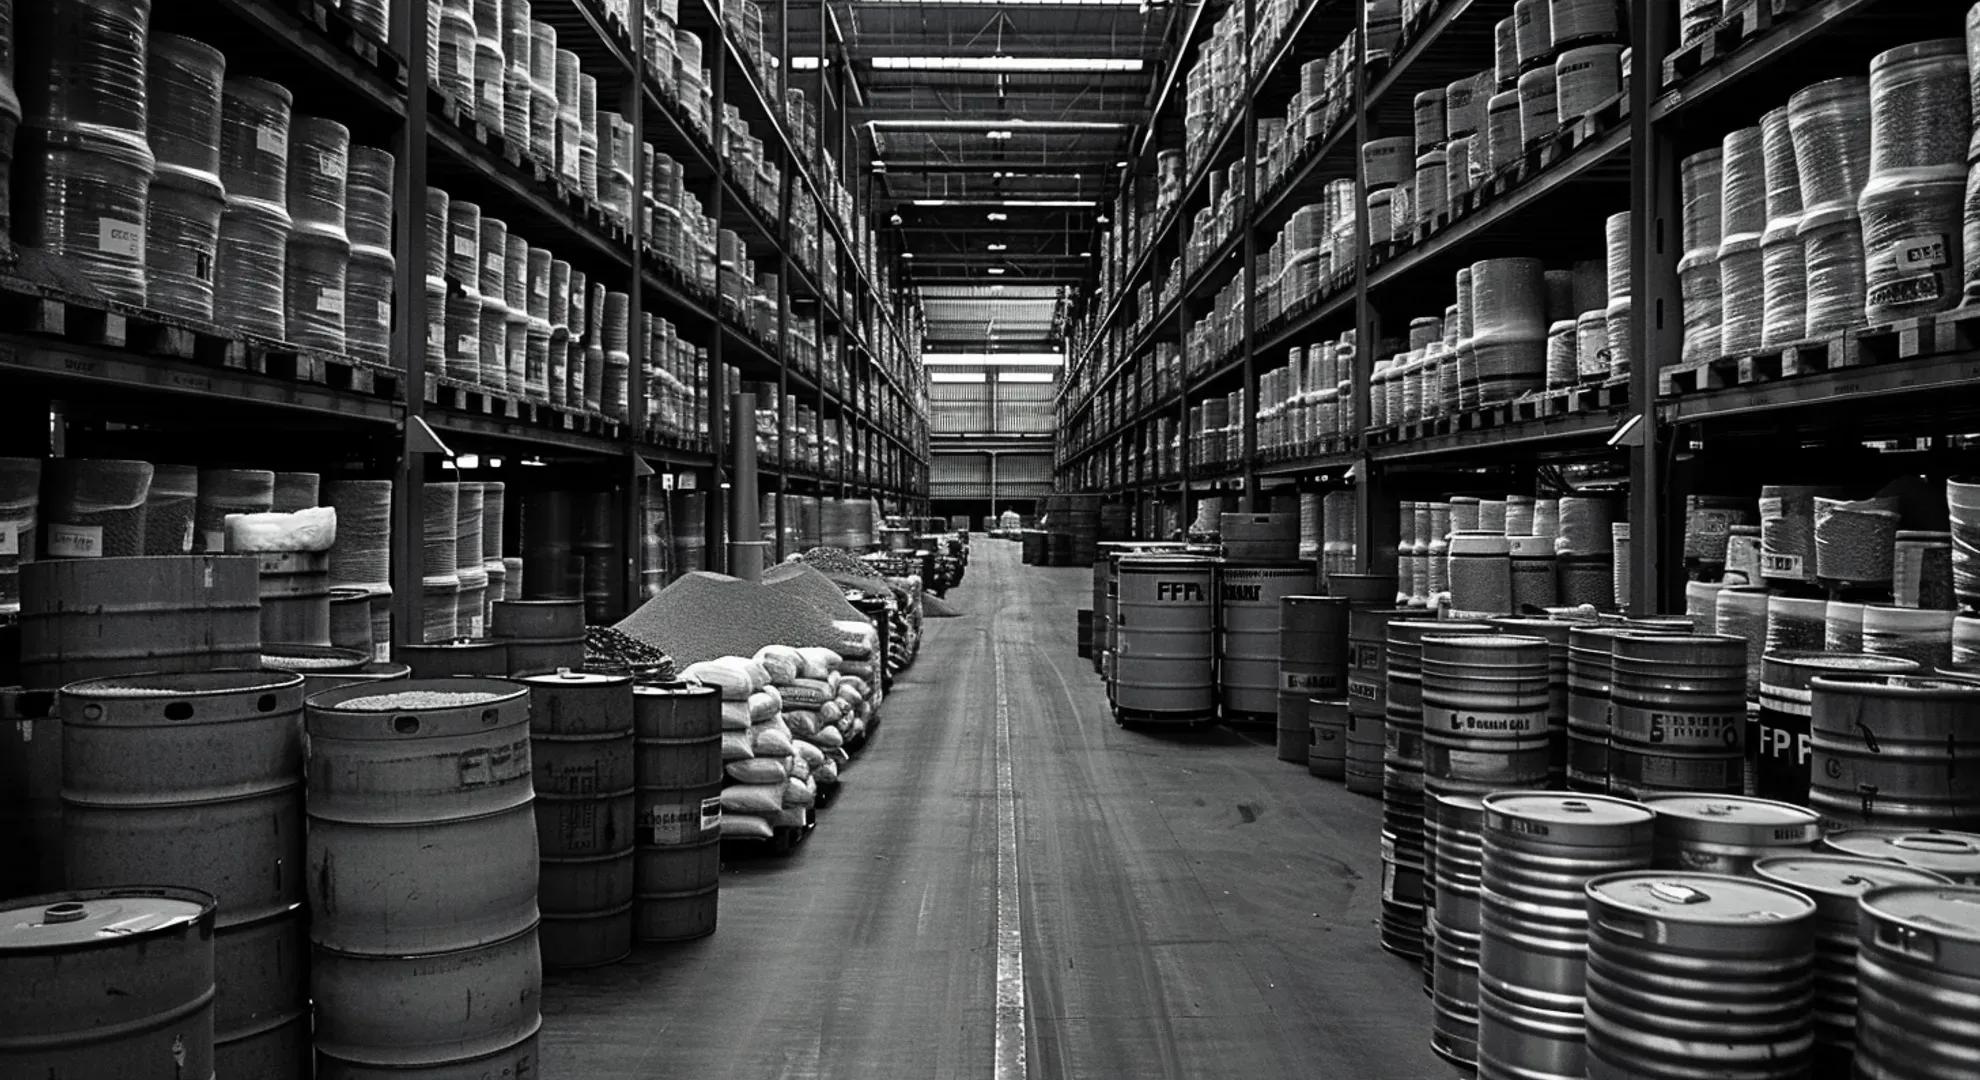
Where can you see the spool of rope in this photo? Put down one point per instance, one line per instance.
(440, 582)
(1481, 574)
(1505, 53)
(319, 163)
(1431, 119)
(1586, 581)
(588, 136)
(1591, 347)
(1504, 145)
(1742, 614)
(1539, 106)
(182, 81)
(471, 602)
(516, 354)
(1796, 623)
(560, 296)
(1574, 21)
(1855, 541)
(1423, 330)
(1787, 531)
(368, 198)
(254, 140)
(462, 339)
(455, 74)
(1921, 117)
(1547, 518)
(230, 491)
(1586, 78)
(517, 91)
(1533, 33)
(1701, 177)
(1921, 569)
(491, 83)
(1464, 105)
(315, 277)
(182, 233)
(1619, 231)
(1832, 254)
(1742, 223)
(1584, 525)
(1784, 264)
(1459, 174)
(1701, 604)
(368, 292)
(295, 491)
(1829, 123)
(1432, 194)
(361, 556)
(1842, 627)
(1509, 339)
(515, 276)
(464, 244)
(539, 283)
(92, 508)
(1519, 515)
(1492, 516)
(493, 246)
(1563, 351)
(492, 339)
(1923, 635)
(1708, 520)
(249, 267)
(438, 206)
(171, 506)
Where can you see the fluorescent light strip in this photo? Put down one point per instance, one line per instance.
(991, 125)
(1005, 3)
(1014, 204)
(1006, 64)
(1025, 376)
(1009, 359)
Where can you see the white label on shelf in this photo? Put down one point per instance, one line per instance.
(467, 343)
(464, 246)
(1926, 252)
(384, 313)
(491, 92)
(330, 165)
(1777, 565)
(118, 237)
(270, 140)
(10, 540)
(494, 261)
(330, 301)
(75, 541)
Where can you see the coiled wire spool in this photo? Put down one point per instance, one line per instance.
(588, 136)
(543, 123)
(1562, 348)
(1590, 348)
(83, 196)
(319, 162)
(1742, 223)
(182, 81)
(1855, 541)
(1519, 515)
(1829, 123)
(368, 198)
(295, 491)
(314, 281)
(1546, 518)
(464, 243)
(515, 275)
(438, 206)
(455, 75)
(1701, 177)
(182, 233)
(492, 338)
(361, 555)
(1430, 112)
(1509, 338)
(1492, 516)
(560, 295)
(1912, 208)
(1574, 21)
(516, 104)
(1584, 525)
(254, 140)
(1385, 161)
(1784, 265)
(1586, 78)
(1619, 231)
(1539, 106)
(1437, 563)
(470, 568)
(249, 267)
(515, 357)
(230, 491)
(93, 508)
(1432, 192)
(440, 582)
(1502, 146)
(1923, 635)
(1787, 530)
(462, 337)
(515, 32)
(491, 82)
(368, 291)
(1533, 33)
(1796, 624)
(1842, 627)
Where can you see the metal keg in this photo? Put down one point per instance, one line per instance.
(84, 618)
(1326, 754)
(1678, 714)
(1724, 834)
(1555, 633)
(1454, 823)
(422, 878)
(1590, 668)
(108, 983)
(1484, 713)
(1901, 752)
(1540, 851)
(677, 766)
(377, 671)
(196, 779)
(479, 659)
(581, 757)
(1698, 974)
(542, 636)
(1165, 639)
(1367, 674)
(1312, 663)
(1956, 855)
(1834, 882)
(295, 596)
(1362, 767)
(1779, 742)
(1917, 982)
(1248, 599)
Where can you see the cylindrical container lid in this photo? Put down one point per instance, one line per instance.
(94, 918)
(1835, 881)
(1734, 819)
(1717, 912)
(1954, 854)
(1569, 818)
(1940, 924)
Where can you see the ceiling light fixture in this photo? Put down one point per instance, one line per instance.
(1000, 133)
(986, 125)
(995, 216)
(1007, 64)
(1085, 254)
(999, 247)
(996, 269)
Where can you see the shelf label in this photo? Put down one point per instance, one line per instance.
(494, 262)
(464, 246)
(118, 237)
(75, 541)
(271, 140)
(491, 92)
(330, 301)
(10, 540)
(1926, 252)
(1778, 565)
(330, 165)
(384, 313)
(1918, 289)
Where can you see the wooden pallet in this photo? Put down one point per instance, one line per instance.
(375, 54)
(1957, 330)
(1743, 21)
(1599, 397)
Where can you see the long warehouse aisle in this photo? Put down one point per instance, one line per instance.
(1191, 906)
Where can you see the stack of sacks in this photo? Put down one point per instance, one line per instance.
(756, 746)
(859, 646)
(786, 666)
(814, 711)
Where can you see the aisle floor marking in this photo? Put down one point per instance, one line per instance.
(1010, 1038)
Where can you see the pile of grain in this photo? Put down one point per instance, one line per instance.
(802, 582)
(605, 643)
(702, 616)
(838, 562)
(410, 700)
(934, 607)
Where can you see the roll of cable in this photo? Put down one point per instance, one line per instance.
(1584, 528)
(361, 556)
(254, 139)
(1459, 174)
(1432, 193)
(1618, 230)
(440, 582)
(517, 91)
(1505, 53)
(1574, 21)
(1620, 355)
(1701, 604)
(1842, 627)
(1921, 121)
(493, 245)
(1784, 264)
(1796, 623)
(1464, 513)
(1923, 635)
(1708, 520)
(1829, 123)
(1963, 506)
(438, 206)
(1539, 107)
(93, 508)
(515, 276)
(319, 168)
(1701, 179)
(1585, 79)
(1381, 216)
(1423, 330)
(1743, 555)
(368, 198)
(1742, 223)
(1492, 516)
(249, 267)
(1563, 350)
(1509, 340)
(1921, 569)
(1533, 33)
(315, 281)
(1855, 540)
(1787, 530)
(491, 83)
(230, 491)
(464, 245)
(182, 234)
(1451, 327)
(1503, 145)
(1586, 581)
(1742, 613)
(1464, 106)
(1547, 518)
(512, 567)
(295, 491)
(1481, 573)
(182, 119)
(469, 569)
(1966, 642)
(1619, 540)
(1519, 515)
(1591, 347)
(1430, 114)
(171, 506)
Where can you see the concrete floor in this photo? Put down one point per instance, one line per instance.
(1191, 906)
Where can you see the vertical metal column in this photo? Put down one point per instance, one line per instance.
(1375, 521)
(1248, 400)
(409, 334)
(716, 510)
(638, 474)
(1654, 310)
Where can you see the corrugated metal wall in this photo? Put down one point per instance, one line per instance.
(966, 475)
(957, 407)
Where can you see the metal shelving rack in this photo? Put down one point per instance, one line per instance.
(202, 392)
(1921, 377)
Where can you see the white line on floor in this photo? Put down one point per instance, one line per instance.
(1010, 1038)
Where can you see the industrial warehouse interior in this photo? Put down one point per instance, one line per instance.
(989, 539)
